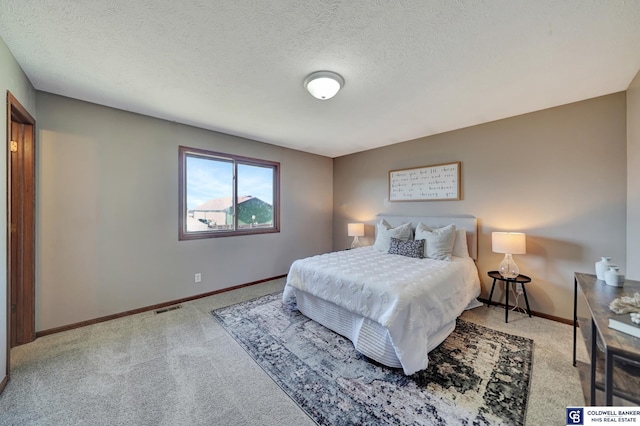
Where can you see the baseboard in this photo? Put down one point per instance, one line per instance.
(4, 382)
(534, 313)
(148, 308)
(211, 293)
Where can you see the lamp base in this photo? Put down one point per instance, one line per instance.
(508, 268)
(355, 243)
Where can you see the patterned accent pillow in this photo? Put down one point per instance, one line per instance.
(384, 232)
(438, 241)
(410, 248)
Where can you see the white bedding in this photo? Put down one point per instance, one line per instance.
(411, 298)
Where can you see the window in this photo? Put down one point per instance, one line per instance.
(221, 195)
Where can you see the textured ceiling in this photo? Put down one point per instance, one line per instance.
(412, 68)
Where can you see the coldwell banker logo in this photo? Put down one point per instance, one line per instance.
(575, 416)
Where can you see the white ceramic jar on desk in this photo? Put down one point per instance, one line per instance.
(614, 277)
(602, 267)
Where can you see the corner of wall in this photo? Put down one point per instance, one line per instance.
(12, 79)
(633, 179)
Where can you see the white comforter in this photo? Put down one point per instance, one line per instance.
(412, 298)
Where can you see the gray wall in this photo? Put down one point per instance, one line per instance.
(558, 174)
(107, 214)
(14, 80)
(633, 179)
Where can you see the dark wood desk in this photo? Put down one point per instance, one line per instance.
(614, 356)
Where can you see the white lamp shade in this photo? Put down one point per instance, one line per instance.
(355, 229)
(323, 84)
(508, 242)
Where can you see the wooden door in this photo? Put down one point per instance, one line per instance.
(21, 224)
(22, 233)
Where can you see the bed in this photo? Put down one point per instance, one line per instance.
(394, 308)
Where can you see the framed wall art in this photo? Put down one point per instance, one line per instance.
(439, 182)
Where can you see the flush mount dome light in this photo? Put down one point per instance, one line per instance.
(323, 84)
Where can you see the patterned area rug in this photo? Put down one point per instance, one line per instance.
(477, 376)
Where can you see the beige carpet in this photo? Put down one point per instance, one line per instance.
(182, 368)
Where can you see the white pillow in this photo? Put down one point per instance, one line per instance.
(439, 241)
(384, 232)
(460, 248)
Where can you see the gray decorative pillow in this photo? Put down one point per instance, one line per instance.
(410, 248)
(460, 247)
(438, 241)
(384, 232)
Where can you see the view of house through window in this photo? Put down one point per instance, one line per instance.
(225, 195)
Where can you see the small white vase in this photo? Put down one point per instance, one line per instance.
(614, 277)
(603, 266)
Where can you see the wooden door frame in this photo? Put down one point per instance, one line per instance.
(17, 113)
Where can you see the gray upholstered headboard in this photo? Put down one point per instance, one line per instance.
(469, 223)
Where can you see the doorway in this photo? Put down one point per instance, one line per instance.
(21, 223)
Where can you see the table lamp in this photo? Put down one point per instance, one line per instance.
(508, 243)
(355, 230)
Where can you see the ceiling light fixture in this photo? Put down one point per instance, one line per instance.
(323, 84)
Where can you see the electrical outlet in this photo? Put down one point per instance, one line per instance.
(198, 277)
